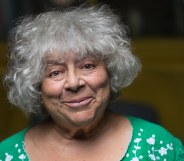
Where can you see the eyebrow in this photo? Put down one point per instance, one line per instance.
(54, 62)
(61, 62)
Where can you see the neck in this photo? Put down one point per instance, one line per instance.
(76, 132)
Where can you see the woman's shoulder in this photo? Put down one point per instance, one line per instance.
(13, 146)
(147, 128)
(154, 142)
(138, 123)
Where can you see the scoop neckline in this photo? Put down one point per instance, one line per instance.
(130, 119)
(123, 157)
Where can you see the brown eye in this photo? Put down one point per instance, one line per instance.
(89, 66)
(55, 73)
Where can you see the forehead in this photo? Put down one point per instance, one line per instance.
(64, 57)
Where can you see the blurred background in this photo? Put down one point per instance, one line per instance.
(157, 32)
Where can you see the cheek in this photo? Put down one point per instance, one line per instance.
(51, 88)
(100, 84)
(100, 80)
(102, 95)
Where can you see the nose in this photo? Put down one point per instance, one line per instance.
(74, 82)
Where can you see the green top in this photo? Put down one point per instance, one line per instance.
(149, 142)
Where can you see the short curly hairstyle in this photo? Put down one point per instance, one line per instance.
(87, 31)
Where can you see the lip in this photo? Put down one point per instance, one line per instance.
(78, 103)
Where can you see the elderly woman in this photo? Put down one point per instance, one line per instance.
(65, 67)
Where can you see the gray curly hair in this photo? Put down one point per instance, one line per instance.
(91, 30)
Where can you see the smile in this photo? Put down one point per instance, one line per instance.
(78, 103)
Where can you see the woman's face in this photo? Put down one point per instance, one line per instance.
(75, 90)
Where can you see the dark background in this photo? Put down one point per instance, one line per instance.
(157, 32)
(144, 17)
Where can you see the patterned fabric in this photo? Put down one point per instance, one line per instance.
(149, 142)
(152, 142)
(12, 149)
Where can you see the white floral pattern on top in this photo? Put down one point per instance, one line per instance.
(144, 145)
(22, 156)
(152, 152)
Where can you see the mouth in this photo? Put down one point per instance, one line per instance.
(78, 103)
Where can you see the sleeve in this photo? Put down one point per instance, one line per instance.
(179, 150)
(166, 146)
(12, 148)
(153, 142)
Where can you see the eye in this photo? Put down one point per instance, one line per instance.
(55, 73)
(89, 66)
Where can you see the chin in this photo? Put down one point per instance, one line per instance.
(83, 119)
